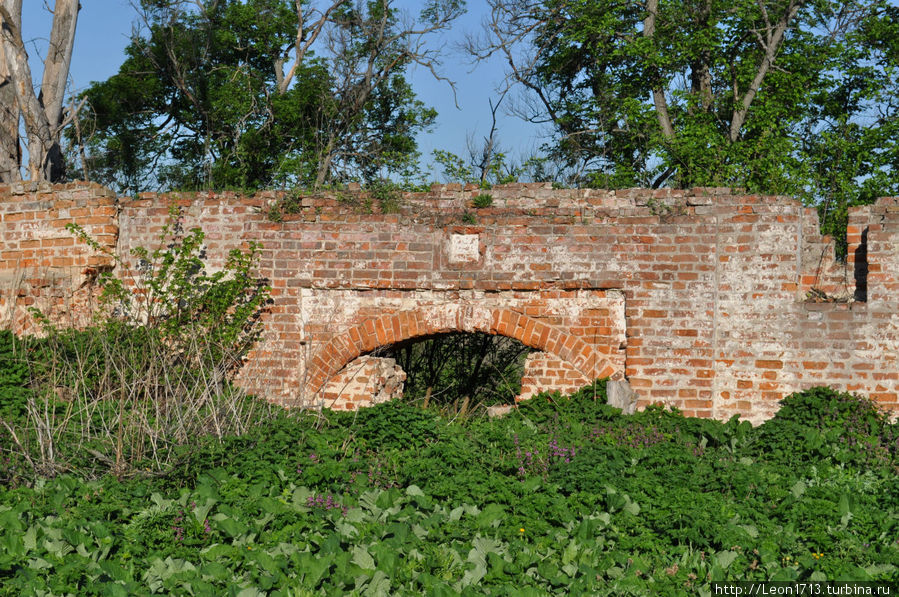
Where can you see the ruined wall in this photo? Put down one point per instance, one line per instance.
(42, 265)
(700, 297)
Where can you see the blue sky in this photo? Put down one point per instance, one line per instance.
(104, 28)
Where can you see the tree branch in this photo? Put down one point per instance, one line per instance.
(10, 149)
(301, 47)
(773, 40)
(36, 123)
(59, 57)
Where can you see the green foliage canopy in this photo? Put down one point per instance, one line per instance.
(779, 96)
(260, 93)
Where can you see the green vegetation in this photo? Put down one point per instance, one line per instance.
(387, 194)
(560, 496)
(131, 465)
(261, 94)
(775, 96)
(132, 393)
(490, 168)
(461, 369)
(482, 200)
(289, 203)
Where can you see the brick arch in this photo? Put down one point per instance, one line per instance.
(396, 327)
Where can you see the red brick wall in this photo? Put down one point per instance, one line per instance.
(42, 265)
(699, 297)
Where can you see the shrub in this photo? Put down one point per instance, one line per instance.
(826, 408)
(152, 375)
(387, 194)
(172, 293)
(586, 405)
(461, 370)
(14, 377)
(824, 422)
(393, 424)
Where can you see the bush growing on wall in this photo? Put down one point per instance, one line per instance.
(170, 291)
(151, 376)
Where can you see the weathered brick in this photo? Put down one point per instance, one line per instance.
(713, 309)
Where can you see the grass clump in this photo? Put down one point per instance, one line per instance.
(482, 200)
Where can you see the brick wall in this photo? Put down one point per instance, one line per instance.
(367, 380)
(713, 302)
(42, 265)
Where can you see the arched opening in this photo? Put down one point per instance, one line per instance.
(470, 369)
(562, 352)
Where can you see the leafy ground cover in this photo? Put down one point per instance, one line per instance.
(561, 496)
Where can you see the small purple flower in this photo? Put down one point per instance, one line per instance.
(325, 503)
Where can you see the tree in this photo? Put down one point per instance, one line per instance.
(788, 96)
(43, 114)
(260, 93)
(10, 151)
(488, 162)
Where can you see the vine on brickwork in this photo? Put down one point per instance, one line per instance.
(663, 210)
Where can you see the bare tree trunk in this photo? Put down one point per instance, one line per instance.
(700, 75)
(658, 92)
(59, 58)
(10, 151)
(43, 116)
(56, 74)
(324, 165)
(488, 152)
